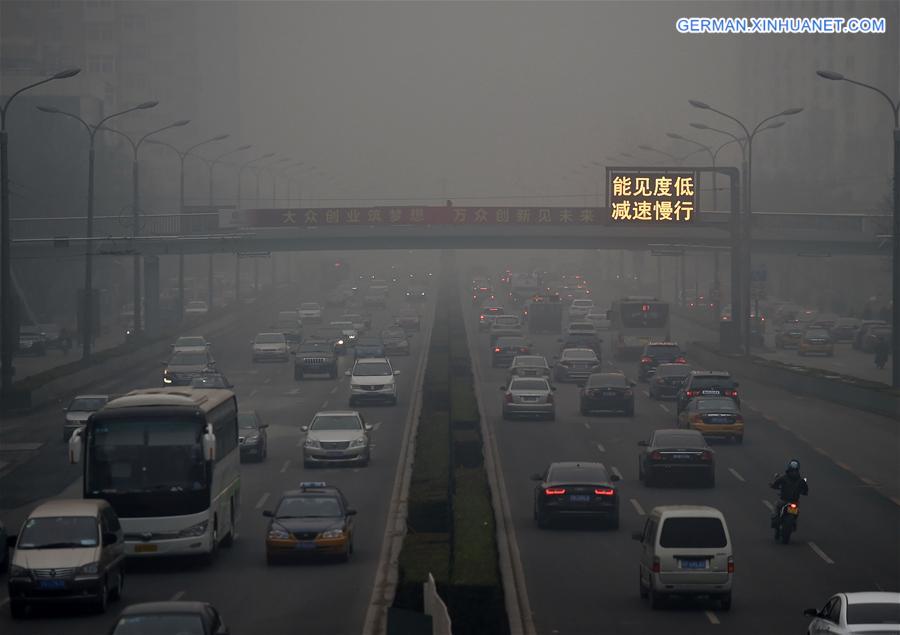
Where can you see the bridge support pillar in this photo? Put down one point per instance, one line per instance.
(209, 284)
(151, 295)
(256, 277)
(180, 304)
(237, 279)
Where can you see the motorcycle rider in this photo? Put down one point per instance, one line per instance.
(882, 351)
(790, 485)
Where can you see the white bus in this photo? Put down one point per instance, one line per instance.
(635, 321)
(168, 461)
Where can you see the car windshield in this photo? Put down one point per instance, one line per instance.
(716, 404)
(343, 325)
(288, 316)
(336, 422)
(312, 348)
(531, 360)
(679, 439)
(160, 624)
(309, 306)
(188, 359)
(270, 338)
(712, 382)
(372, 369)
(873, 613)
(817, 333)
(196, 305)
(663, 350)
(309, 507)
(185, 342)
(673, 370)
(394, 334)
(58, 532)
(580, 355)
(368, 342)
(510, 342)
(247, 421)
(581, 474)
(583, 303)
(692, 533)
(612, 380)
(581, 326)
(529, 384)
(87, 404)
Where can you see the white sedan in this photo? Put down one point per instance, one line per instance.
(861, 612)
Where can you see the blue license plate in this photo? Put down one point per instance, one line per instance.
(693, 564)
(719, 420)
(579, 498)
(681, 457)
(51, 584)
(305, 546)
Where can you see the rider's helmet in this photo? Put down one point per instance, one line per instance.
(793, 467)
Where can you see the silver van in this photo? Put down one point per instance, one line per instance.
(685, 550)
(68, 550)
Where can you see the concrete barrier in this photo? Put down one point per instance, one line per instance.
(811, 382)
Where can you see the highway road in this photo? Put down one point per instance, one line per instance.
(325, 598)
(583, 580)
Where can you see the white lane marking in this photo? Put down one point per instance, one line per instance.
(334, 390)
(262, 500)
(820, 553)
(267, 380)
(712, 617)
(735, 474)
(294, 391)
(637, 507)
(587, 425)
(325, 404)
(285, 466)
(600, 447)
(868, 481)
(664, 407)
(616, 471)
(253, 392)
(647, 393)
(177, 596)
(376, 425)
(769, 505)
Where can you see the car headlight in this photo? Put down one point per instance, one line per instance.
(352, 337)
(277, 532)
(332, 533)
(90, 569)
(312, 443)
(252, 440)
(166, 379)
(194, 530)
(16, 571)
(340, 342)
(358, 443)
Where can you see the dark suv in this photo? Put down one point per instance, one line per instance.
(656, 353)
(315, 358)
(708, 383)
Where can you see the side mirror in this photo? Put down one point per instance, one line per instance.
(811, 613)
(614, 478)
(396, 372)
(552, 387)
(229, 385)
(109, 538)
(304, 428)
(351, 512)
(209, 444)
(346, 373)
(637, 535)
(263, 426)
(367, 427)
(644, 444)
(536, 477)
(268, 513)
(75, 446)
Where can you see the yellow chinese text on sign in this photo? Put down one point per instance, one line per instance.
(646, 197)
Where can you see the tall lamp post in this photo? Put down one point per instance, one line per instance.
(87, 326)
(895, 232)
(241, 169)
(747, 229)
(7, 341)
(182, 155)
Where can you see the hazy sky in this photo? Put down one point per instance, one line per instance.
(493, 98)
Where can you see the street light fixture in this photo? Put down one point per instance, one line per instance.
(7, 343)
(87, 325)
(211, 163)
(895, 237)
(241, 169)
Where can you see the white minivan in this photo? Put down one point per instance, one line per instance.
(685, 550)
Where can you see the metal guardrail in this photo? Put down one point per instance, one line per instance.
(166, 224)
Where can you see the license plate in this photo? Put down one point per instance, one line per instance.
(719, 420)
(579, 498)
(710, 392)
(530, 399)
(51, 584)
(145, 548)
(681, 457)
(609, 393)
(305, 546)
(693, 564)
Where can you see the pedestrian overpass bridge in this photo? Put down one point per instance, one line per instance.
(312, 229)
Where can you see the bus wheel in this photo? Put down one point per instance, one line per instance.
(210, 557)
(228, 540)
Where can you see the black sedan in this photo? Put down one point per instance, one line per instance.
(506, 348)
(668, 380)
(313, 520)
(576, 490)
(656, 353)
(252, 436)
(674, 451)
(186, 618)
(608, 391)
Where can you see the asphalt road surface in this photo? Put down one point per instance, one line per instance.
(322, 598)
(583, 580)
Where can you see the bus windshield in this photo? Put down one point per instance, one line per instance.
(644, 314)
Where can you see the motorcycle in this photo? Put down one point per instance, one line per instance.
(786, 523)
(880, 360)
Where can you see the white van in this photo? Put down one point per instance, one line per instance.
(685, 550)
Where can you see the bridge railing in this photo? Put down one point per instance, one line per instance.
(162, 224)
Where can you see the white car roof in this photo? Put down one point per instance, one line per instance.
(687, 511)
(872, 597)
(374, 359)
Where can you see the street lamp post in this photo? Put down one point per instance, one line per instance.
(87, 327)
(7, 343)
(241, 169)
(748, 230)
(895, 231)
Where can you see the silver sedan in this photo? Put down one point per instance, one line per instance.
(529, 366)
(528, 397)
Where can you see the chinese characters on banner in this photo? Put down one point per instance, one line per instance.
(343, 216)
(652, 197)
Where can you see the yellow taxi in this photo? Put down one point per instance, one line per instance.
(816, 341)
(713, 417)
(313, 520)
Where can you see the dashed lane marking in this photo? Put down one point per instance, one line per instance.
(177, 596)
(868, 481)
(294, 391)
(20, 447)
(843, 466)
(267, 380)
(600, 447)
(820, 553)
(637, 507)
(376, 425)
(896, 500)
(769, 505)
(587, 425)
(253, 392)
(735, 474)
(616, 471)
(324, 404)
(664, 407)
(285, 466)
(712, 617)
(646, 393)
(820, 451)
(334, 390)
(262, 500)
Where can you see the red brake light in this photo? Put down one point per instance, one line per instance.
(550, 491)
(646, 360)
(656, 456)
(707, 455)
(645, 308)
(481, 317)
(793, 505)
(496, 349)
(508, 397)
(731, 393)
(680, 360)
(655, 567)
(730, 564)
(604, 491)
